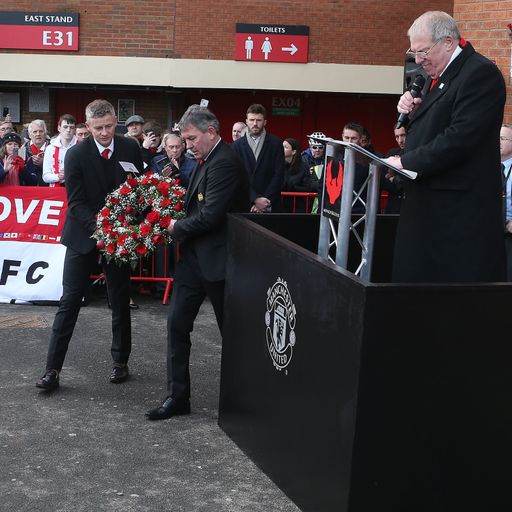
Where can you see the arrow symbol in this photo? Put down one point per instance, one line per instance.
(292, 49)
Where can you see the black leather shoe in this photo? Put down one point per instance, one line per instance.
(171, 407)
(49, 381)
(119, 373)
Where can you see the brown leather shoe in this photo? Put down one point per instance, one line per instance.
(119, 373)
(49, 381)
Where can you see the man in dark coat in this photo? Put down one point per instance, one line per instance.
(450, 228)
(218, 185)
(93, 169)
(263, 156)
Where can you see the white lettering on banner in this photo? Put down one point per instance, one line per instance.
(49, 208)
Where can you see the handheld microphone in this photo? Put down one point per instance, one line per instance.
(416, 89)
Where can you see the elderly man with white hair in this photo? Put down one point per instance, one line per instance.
(35, 147)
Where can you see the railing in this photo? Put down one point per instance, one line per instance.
(146, 273)
(310, 196)
(307, 196)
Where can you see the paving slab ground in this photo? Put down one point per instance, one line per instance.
(88, 447)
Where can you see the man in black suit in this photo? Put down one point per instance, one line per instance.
(450, 227)
(93, 169)
(218, 185)
(263, 156)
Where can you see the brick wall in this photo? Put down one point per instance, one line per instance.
(341, 31)
(484, 24)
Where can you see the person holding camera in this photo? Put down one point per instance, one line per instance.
(15, 171)
(151, 138)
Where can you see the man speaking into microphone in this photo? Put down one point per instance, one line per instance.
(450, 227)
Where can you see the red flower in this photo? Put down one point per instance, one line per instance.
(158, 239)
(111, 248)
(146, 180)
(124, 190)
(128, 209)
(105, 212)
(165, 202)
(107, 225)
(132, 182)
(165, 221)
(178, 193)
(153, 217)
(124, 252)
(141, 249)
(145, 229)
(100, 245)
(122, 238)
(121, 217)
(164, 188)
(178, 207)
(114, 200)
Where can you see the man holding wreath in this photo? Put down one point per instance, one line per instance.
(93, 169)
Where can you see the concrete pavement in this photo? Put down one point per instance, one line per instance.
(88, 447)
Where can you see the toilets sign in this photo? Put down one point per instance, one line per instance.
(271, 43)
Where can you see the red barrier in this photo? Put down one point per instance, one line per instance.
(146, 273)
(307, 196)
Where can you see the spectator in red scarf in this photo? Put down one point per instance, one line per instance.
(35, 147)
(14, 171)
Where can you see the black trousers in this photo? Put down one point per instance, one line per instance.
(75, 281)
(188, 293)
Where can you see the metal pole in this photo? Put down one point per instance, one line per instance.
(324, 234)
(372, 208)
(349, 170)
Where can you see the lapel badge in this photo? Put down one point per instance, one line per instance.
(441, 86)
(200, 197)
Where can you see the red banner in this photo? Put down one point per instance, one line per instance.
(32, 213)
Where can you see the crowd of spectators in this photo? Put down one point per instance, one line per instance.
(274, 165)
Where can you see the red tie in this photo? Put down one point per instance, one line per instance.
(105, 153)
(432, 85)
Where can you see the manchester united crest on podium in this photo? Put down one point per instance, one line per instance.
(280, 322)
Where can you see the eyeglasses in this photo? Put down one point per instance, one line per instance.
(504, 138)
(422, 55)
(317, 147)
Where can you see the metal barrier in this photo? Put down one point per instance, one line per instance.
(307, 195)
(296, 195)
(145, 273)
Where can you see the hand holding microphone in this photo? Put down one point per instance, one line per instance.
(409, 101)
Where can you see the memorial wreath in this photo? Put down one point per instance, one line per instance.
(136, 216)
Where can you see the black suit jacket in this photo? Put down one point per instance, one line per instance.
(87, 186)
(266, 175)
(217, 187)
(450, 227)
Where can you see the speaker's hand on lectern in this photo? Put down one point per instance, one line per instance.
(394, 161)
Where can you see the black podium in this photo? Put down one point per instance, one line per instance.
(364, 396)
